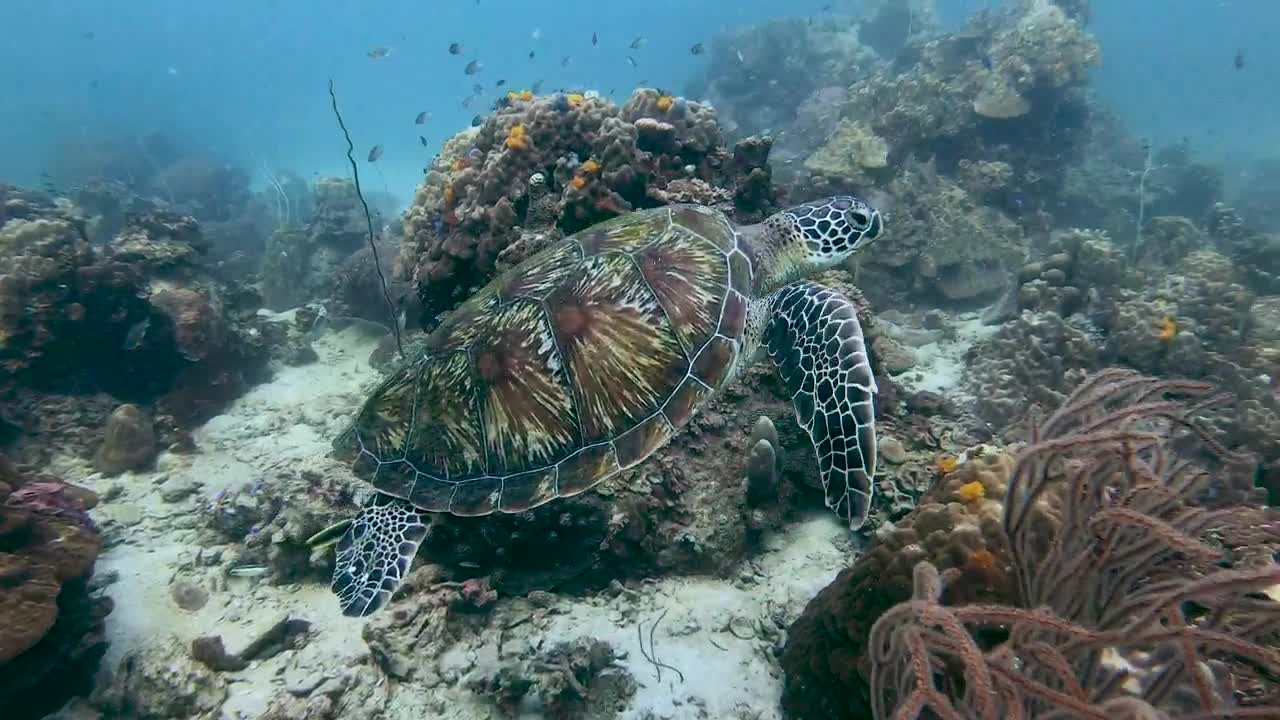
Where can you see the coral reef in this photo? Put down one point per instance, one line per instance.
(945, 242)
(1008, 558)
(759, 76)
(595, 160)
(139, 317)
(51, 627)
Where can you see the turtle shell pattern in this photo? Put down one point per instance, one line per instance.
(574, 365)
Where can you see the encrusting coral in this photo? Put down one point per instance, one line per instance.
(1094, 572)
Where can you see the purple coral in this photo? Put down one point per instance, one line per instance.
(51, 498)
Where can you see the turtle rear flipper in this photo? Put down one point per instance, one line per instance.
(375, 553)
(814, 338)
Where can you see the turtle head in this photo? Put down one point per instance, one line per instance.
(819, 234)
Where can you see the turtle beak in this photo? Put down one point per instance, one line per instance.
(873, 229)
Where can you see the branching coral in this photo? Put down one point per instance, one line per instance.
(1126, 608)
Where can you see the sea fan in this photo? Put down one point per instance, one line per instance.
(1136, 606)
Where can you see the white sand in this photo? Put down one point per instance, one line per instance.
(288, 423)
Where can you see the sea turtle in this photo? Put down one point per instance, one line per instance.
(584, 359)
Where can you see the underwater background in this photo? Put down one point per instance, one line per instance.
(250, 82)
(1052, 260)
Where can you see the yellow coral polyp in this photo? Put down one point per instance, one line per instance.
(665, 102)
(459, 164)
(1167, 329)
(525, 95)
(971, 492)
(590, 166)
(576, 99)
(946, 464)
(517, 137)
(449, 196)
(578, 182)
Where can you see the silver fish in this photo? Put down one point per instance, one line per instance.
(422, 118)
(473, 67)
(374, 153)
(248, 571)
(137, 333)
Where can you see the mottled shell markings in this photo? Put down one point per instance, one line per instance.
(688, 277)
(446, 432)
(622, 357)
(578, 362)
(528, 414)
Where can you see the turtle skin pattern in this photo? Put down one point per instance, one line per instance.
(575, 365)
(815, 340)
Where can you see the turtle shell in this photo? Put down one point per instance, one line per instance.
(570, 367)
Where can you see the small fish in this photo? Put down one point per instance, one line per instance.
(379, 52)
(466, 102)
(423, 140)
(741, 59)
(477, 121)
(422, 118)
(88, 35)
(473, 67)
(1239, 61)
(500, 83)
(537, 87)
(477, 89)
(595, 39)
(637, 43)
(174, 71)
(137, 333)
(248, 571)
(631, 61)
(697, 49)
(374, 153)
(536, 34)
(531, 54)
(565, 61)
(455, 48)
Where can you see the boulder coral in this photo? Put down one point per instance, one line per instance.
(51, 628)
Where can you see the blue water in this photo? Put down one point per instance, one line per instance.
(247, 79)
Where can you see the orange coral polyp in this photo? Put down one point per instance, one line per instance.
(1168, 329)
(576, 99)
(578, 182)
(972, 491)
(517, 138)
(665, 103)
(590, 166)
(980, 560)
(946, 464)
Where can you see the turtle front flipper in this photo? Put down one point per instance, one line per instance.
(375, 552)
(814, 338)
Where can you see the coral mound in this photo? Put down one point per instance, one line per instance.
(555, 164)
(51, 629)
(1102, 568)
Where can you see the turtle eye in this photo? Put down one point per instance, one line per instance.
(859, 219)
